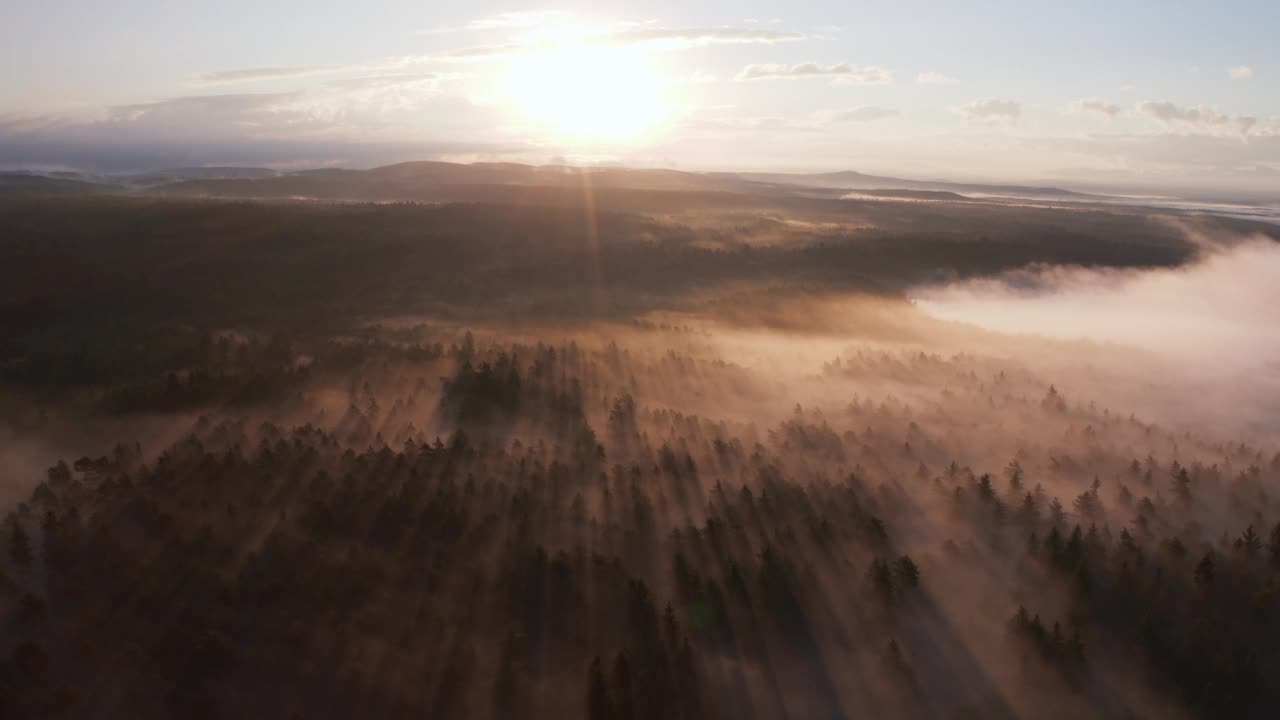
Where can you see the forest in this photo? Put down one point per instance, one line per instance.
(637, 453)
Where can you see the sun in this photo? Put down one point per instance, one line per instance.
(588, 92)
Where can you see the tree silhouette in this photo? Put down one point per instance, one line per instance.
(19, 544)
(599, 702)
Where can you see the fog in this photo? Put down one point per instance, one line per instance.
(1217, 313)
(1206, 330)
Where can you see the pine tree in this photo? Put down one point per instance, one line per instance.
(1029, 512)
(907, 571)
(1014, 473)
(1182, 485)
(985, 491)
(882, 579)
(1250, 542)
(1204, 573)
(599, 704)
(622, 681)
(506, 693)
(19, 544)
(1056, 514)
(1273, 544)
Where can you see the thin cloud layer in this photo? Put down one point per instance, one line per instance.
(262, 73)
(655, 37)
(871, 75)
(248, 75)
(990, 110)
(1095, 105)
(864, 113)
(1199, 116)
(368, 82)
(703, 36)
(935, 78)
(358, 121)
(506, 20)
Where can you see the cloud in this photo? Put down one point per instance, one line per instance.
(695, 37)
(655, 37)
(990, 110)
(384, 81)
(1095, 104)
(723, 126)
(503, 21)
(935, 78)
(1200, 116)
(197, 110)
(246, 75)
(1240, 73)
(356, 121)
(864, 113)
(871, 75)
(261, 73)
(815, 124)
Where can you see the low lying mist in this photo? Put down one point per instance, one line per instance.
(1219, 310)
(1207, 329)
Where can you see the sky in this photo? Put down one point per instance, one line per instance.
(1167, 93)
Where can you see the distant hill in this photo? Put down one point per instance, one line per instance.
(851, 180)
(443, 182)
(21, 184)
(429, 181)
(900, 194)
(65, 181)
(172, 175)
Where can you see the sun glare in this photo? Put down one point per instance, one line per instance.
(587, 92)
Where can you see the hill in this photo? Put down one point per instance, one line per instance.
(851, 180)
(429, 181)
(21, 184)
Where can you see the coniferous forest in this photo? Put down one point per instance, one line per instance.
(699, 456)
